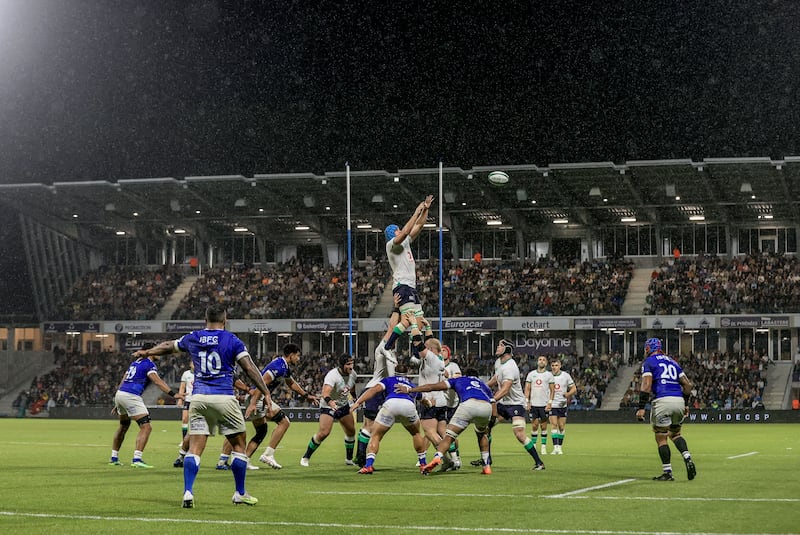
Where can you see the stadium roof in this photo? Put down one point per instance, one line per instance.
(735, 191)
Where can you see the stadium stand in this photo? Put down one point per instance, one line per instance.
(754, 284)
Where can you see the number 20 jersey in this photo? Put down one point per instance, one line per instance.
(215, 354)
(666, 375)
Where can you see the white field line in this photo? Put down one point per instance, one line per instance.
(324, 525)
(555, 496)
(742, 455)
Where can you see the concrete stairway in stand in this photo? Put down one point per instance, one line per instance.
(175, 299)
(617, 388)
(636, 298)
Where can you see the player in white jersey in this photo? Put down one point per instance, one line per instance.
(510, 397)
(404, 271)
(427, 355)
(337, 394)
(187, 385)
(451, 371)
(539, 389)
(564, 389)
(383, 367)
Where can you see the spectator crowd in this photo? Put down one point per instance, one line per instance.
(755, 284)
(119, 292)
(289, 290)
(548, 287)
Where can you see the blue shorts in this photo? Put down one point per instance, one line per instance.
(341, 412)
(432, 413)
(538, 413)
(408, 295)
(507, 412)
(449, 412)
(561, 412)
(373, 405)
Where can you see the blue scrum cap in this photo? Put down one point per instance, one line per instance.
(652, 345)
(391, 232)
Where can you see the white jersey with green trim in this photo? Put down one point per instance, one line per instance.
(452, 370)
(509, 371)
(341, 387)
(563, 382)
(540, 387)
(404, 269)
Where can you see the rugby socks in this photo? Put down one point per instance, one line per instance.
(422, 460)
(223, 459)
(680, 443)
(137, 456)
(396, 332)
(191, 465)
(453, 451)
(312, 447)
(114, 456)
(664, 453)
(530, 447)
(184, 429)
(370, 460)
(349, 444)
(239, 464)
(363, 441)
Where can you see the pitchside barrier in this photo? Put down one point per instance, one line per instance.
(311, 414)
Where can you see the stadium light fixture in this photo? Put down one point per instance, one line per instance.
(240, 229)
(302, 227)
(697, 218)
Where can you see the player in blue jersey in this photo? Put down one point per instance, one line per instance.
(129, 405)
(664, 378)
(398, 406)
(215, 353)
(278, 369)
(475, 407)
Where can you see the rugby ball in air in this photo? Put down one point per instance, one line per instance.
(498, 178)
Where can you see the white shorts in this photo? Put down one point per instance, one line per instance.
(472, 411)
(397, 409)
(211, 411)
(261, 411)
(129, 405)
(667, 411)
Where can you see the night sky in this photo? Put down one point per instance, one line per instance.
(108, 90)
(93, 90)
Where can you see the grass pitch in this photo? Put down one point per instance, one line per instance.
(55, 479)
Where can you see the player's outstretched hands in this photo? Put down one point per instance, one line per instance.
(427, 202)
